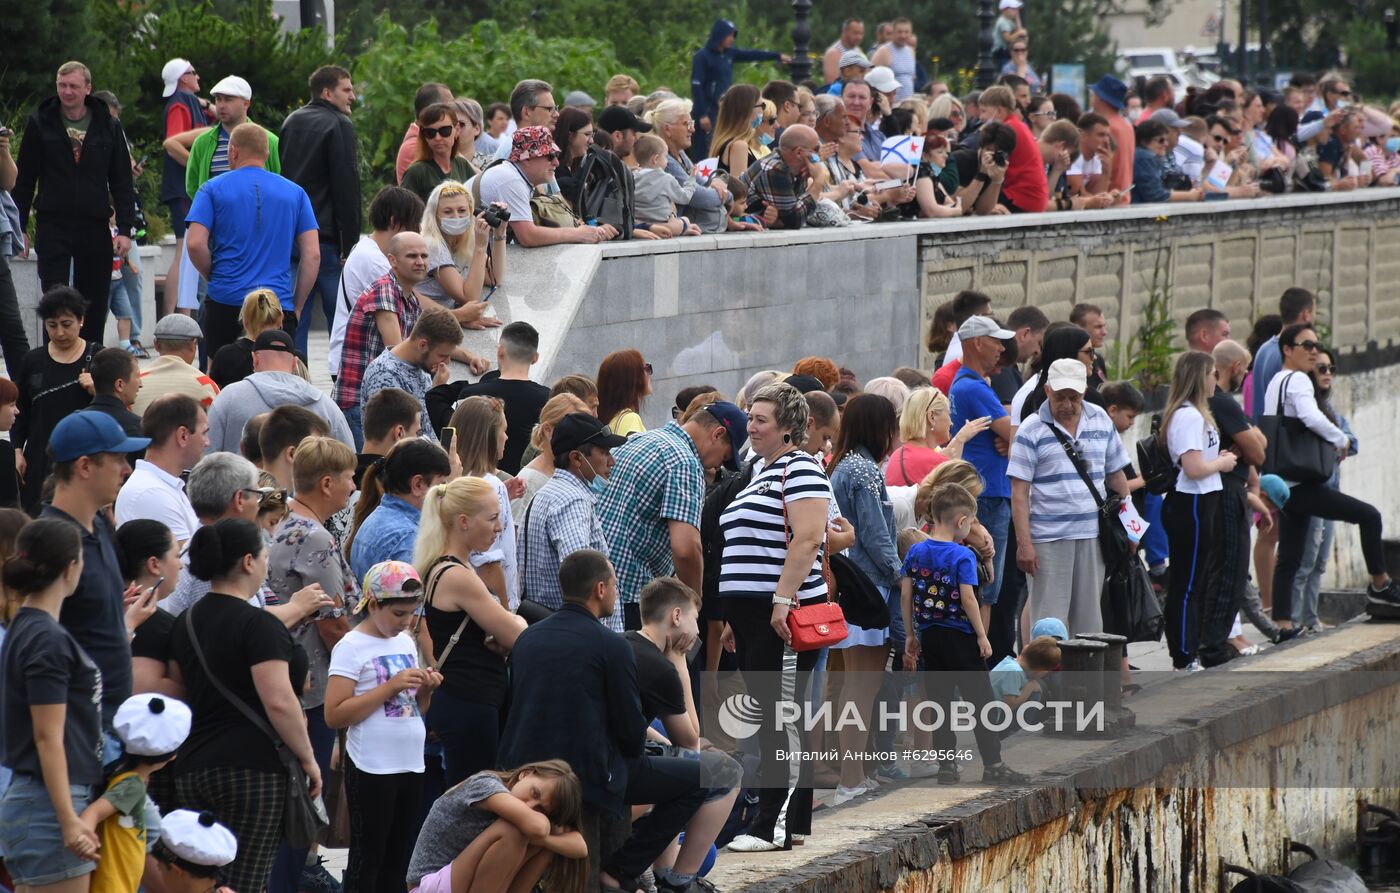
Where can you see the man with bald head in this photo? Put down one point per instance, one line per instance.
(383, 315)
(789, 181)
(244, 228)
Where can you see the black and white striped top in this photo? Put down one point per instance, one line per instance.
(755, 546)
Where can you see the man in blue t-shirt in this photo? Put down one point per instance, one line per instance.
(973, 398)
(244, 228)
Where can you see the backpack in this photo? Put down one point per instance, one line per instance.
(1155, 462)
(546, 210)
(605, 191)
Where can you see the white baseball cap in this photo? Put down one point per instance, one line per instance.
(233, 85)
(172, 72)
(1010, 4)
(982, 327)
(881, 79)
(1068, 375)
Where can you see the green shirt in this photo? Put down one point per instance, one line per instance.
(422, 177)
(202, 154)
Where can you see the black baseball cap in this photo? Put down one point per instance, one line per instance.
(580, 429)
(275, 339)
(617, 117)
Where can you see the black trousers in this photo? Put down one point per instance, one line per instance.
(1001, 632)
(1319, 500)
(383, 827)
(1193, 546)
(13, 342)
(951, 660)
(771, 673)
(79, 251)
(223, 324)
(672, 786)
(1225, 593)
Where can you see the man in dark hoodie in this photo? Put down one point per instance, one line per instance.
(77, 150)
(711, 73)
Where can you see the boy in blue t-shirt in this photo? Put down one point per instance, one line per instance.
(939, 598)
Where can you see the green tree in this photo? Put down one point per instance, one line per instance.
(37, 39)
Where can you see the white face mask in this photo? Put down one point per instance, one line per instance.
(454, 226)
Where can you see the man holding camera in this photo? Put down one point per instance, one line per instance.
(1024, 190)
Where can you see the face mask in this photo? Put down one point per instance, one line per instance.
(599, 483)
(1344, 103)
(454, 226)
(765, 139)
(757, 120)
(936, 168)
(1392, 145)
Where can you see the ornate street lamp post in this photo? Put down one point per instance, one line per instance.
(801, 40)
(986, 71)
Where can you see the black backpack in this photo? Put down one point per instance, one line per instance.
(605, 191)
(721, 494)
(1155, 462)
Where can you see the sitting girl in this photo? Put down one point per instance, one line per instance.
(657, 192)
(498, 832)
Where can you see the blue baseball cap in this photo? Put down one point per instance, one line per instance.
(1275, 489)
(91, 433)
(1049, 626)
(736, 424)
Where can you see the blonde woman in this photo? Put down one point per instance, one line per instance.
(763, 135)
(892, 389)
(461, 520)
(1190, 510)
(480, 443)
(234, 362)
(740, 112)
(465, 256)
(541, 468)
(924, 427)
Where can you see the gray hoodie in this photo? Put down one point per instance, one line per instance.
(263, 392)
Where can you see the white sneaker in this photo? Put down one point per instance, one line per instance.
(923, 770)
(846, 795)
(747, 843)
(1249, 651)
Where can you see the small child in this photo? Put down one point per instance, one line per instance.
(1016, 680)
(1123, 402)
(528, 819)
(191, 850)
(378, 690)
(907, 539)
(151, 728)
(656, 192)
(938, 594)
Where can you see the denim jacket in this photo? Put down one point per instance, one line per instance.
(861, 495)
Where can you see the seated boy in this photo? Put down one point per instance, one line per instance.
(1016, 680)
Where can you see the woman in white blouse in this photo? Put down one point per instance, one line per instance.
(1190, 510)
(1290, 393)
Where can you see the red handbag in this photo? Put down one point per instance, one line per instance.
(819, 625)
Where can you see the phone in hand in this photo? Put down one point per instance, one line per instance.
(449, 434)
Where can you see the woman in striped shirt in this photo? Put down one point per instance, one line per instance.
(774, 532)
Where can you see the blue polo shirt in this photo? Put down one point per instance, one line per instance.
(972, 397)
(253, 218)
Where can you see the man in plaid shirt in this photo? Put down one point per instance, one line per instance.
(384, 313)
(787, 181)
(650, 509)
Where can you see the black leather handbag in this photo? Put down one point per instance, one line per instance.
(1294, 452)
(860, 601)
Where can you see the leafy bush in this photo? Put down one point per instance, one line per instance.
(1373, 69)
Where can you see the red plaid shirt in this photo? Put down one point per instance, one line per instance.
(362, 341)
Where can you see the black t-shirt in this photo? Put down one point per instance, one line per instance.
(362, 463)
(44, 664)
(523, 401)
(233, 362)
(657, 679)
(1006, 383)
(235, 637)
(1230, 420)
(152, 639)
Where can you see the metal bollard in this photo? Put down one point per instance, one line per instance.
(1112, 667)
(1081, 676)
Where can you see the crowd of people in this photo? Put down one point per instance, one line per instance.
(484, 614)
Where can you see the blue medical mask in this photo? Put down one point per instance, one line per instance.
(757, 119)
(1392, 145)
(936, 168)
(765, 139)
(599, 483)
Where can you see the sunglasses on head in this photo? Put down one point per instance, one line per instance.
(444, 130)
(648, 368)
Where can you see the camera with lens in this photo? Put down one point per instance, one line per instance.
(999, 158)
(493, 215)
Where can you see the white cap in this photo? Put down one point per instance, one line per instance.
(881, 79)
(233, 85)
(197, 838)
(152, 725)
(1010, 4)
(1067, 375)
(172, 72)
(982, 327)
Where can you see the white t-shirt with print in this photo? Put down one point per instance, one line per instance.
(1188, 431)
(390, 740)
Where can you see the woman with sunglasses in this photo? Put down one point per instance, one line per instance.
(1292, 395)
(1019, 65)
(439, 152)
(624, 381)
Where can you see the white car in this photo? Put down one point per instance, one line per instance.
(1149, 62)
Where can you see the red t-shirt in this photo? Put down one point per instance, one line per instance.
(943, 378)
(910, 464)
(1025, 174)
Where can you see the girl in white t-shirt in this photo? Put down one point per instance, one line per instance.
(1190, 509)
(378, 689)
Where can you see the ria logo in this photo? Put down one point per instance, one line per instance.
(740, 716)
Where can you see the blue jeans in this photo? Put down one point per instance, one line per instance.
(469, 732)
(994, 513)
(30, 835)
(125, 298)
(354, 417)
(1307, 583)
(328, 286)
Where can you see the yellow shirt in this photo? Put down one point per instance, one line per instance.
(626, 423)
(123, 836)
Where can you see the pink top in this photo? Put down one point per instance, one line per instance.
(910, 463)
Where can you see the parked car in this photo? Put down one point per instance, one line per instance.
(1150, 62)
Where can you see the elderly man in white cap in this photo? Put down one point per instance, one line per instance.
(184, 111)
(1065, 459)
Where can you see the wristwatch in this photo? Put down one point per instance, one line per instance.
(788, 602)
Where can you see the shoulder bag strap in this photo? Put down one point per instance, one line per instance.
(523, 563)
(1078, 464)
(258, 722)
(434, 577)
(787, 537)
